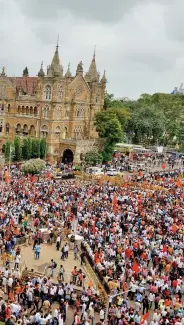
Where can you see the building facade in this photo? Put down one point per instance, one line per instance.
(57, 106)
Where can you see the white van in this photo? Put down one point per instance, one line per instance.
(95, 171)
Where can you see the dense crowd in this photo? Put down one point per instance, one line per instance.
(133, 237)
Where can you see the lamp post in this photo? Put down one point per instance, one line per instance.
(10, 158)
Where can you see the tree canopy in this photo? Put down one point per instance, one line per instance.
(151, 119)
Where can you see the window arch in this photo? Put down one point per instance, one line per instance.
(78, 132)
(27, 110)
(47, 92)
(46, 111)
(65, 132)
(19, 109)
(31, 110)
(79, 112)
(1, 126)
(57, 132)
(7, 127)
(25, 129)
(60, 94)
(32, 131)
(44, 131)
(67, 112)
(35, 111)
(18, 128)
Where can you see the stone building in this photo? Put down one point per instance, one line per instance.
(54, 105)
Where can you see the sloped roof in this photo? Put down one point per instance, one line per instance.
(26, 84)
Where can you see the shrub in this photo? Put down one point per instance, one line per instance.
(33, 166)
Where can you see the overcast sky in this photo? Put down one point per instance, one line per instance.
(140, 43)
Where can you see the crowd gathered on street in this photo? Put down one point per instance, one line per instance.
(133, 236)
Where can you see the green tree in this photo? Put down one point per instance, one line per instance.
(18, 149)
(43, 148)
(93, 158)
(108, 126)
(27, 148)
(35, 148)
(9, 150)
(146, 125)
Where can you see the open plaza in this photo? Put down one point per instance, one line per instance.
(106, 250)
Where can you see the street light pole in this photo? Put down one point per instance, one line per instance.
(10, 158)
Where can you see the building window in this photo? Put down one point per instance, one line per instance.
(7, 127)
(60, 94)
(44, 131)
(65, 132)
(9, 108)
(79, 112)
(67, 112)
(46, 111)
(78, 132)
(2, 108)
(1, 126)
(47, 92)
(18, 128)
(25, 129)
(32, 131)
(57, 133)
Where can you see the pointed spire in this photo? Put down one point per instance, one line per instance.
(56, 68)
(3, 74)
(68, 72)
(41, 72)
(92, 74)
(104, 79)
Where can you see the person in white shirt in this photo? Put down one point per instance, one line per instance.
(102, 315)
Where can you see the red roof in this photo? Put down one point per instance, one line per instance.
(26, 84)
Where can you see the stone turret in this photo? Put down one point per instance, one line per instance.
(68, 72)
(55, 69)
(92, 74)
(104, 79)
(41, 72)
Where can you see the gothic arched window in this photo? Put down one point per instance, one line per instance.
(47, 92)
(44, 131)
(79, 112)
(57, 132)
(46, 111)
(60, 94)
(78, 132)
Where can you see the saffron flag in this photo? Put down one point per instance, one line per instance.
(135, 267)
(179, 183)
(6, 176)
(174, 228)
(115, 201)
(34, 179)
(143, 318)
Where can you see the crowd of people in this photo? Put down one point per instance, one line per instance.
(133, 237)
